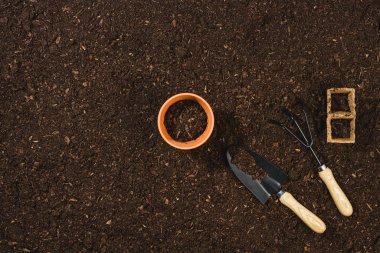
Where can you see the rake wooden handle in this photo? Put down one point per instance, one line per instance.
(340, 199)
(310, 219)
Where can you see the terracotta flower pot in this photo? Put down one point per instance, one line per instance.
(188, 144)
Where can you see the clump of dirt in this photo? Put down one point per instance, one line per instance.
(185, 120)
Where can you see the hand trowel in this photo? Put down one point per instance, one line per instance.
(271, 185)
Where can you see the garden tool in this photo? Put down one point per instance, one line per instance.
(271, 185)
(306, 139)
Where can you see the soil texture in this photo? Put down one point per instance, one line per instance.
(83, 167)
(341, 128)
(339, 102)
(185, 120)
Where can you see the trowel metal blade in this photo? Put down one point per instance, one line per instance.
(275, 172)
(253, 185)
(271, 185)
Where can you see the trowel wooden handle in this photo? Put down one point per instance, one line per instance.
(340, 199)
(310, 219)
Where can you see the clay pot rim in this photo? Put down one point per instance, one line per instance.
(188, 144)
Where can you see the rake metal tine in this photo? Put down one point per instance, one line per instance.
(292, 118)
(282, 124)
(308, 127)
(302, 133)
(295, 136)
(307, 142)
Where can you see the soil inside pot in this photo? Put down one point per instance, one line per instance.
(185, 120)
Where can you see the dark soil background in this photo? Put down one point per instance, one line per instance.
(84, 169)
